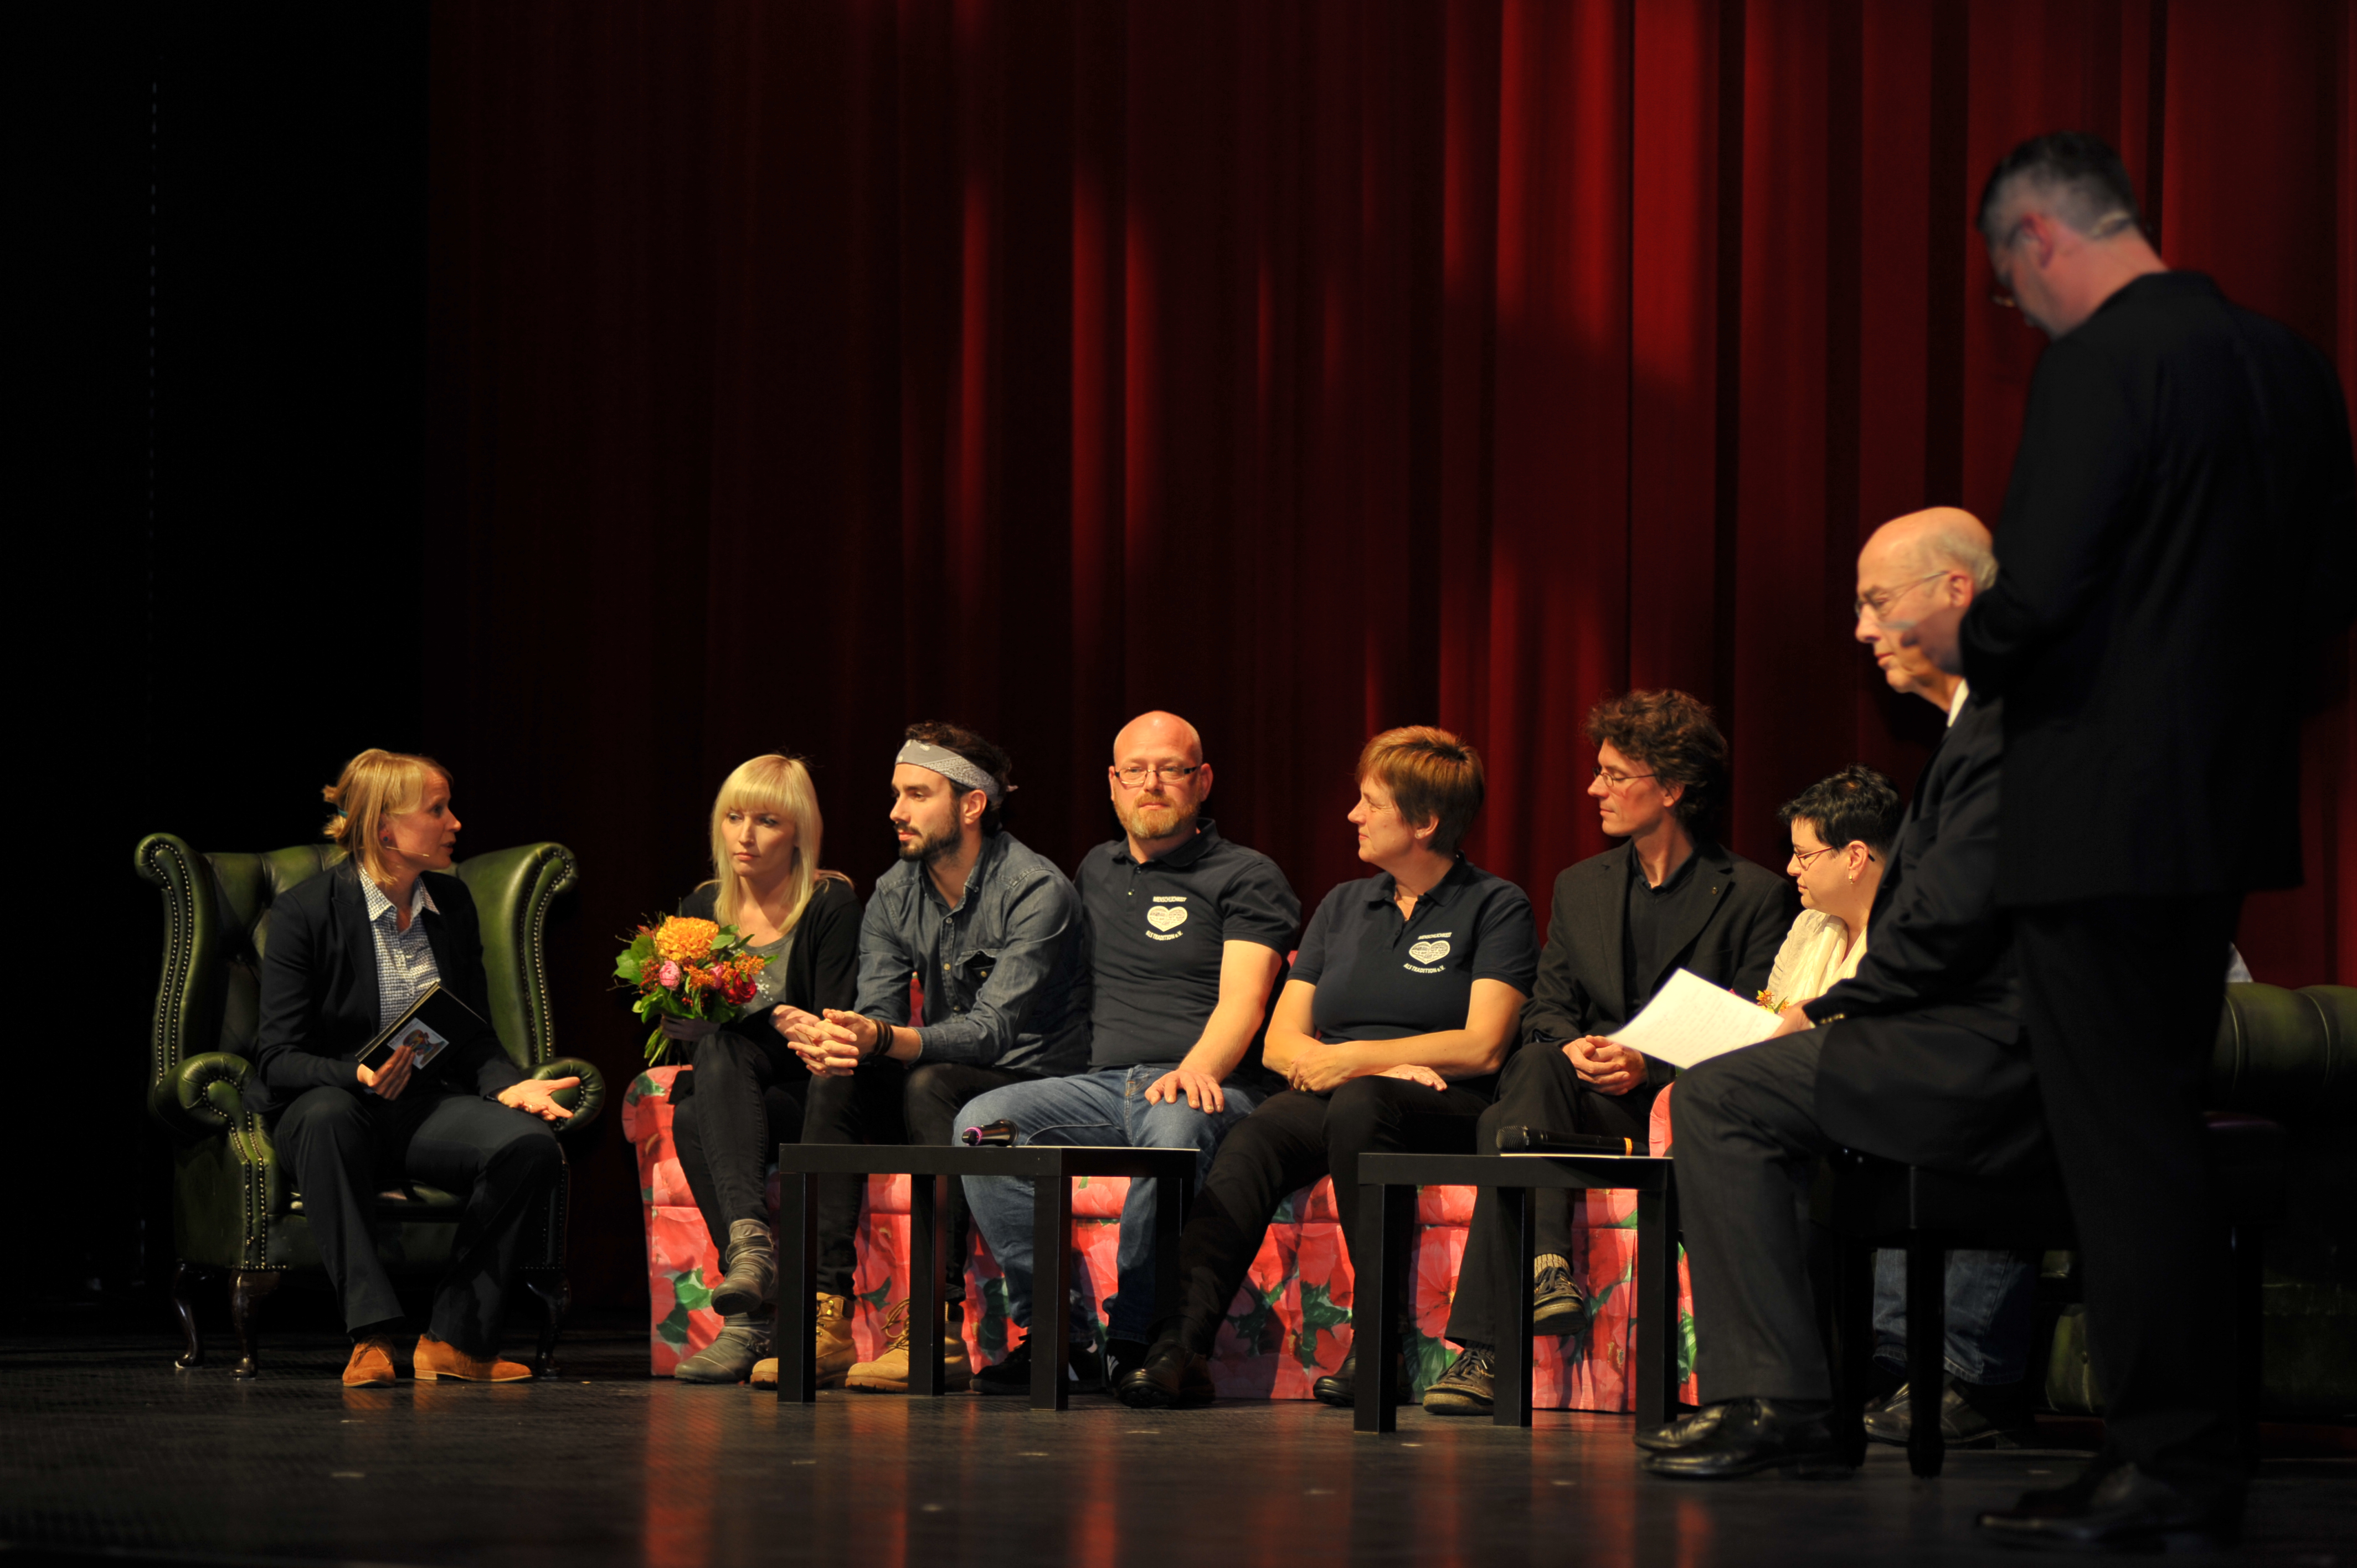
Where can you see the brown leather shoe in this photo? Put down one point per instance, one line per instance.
(435, 1360)
(371, 1366)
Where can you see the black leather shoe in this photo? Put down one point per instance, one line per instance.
(1341, 1386)
(2119, 1508)
(1172, 1376)
(1122, 1357)
(1753, 1435)
(1688, 1428)
(1083, 1373)
(1972, 1415)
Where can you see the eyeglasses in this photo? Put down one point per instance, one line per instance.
(1802, 857)
(1133, 776)
(1879, 600)
(1616, 779)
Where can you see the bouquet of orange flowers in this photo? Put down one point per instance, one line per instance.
(688, 969)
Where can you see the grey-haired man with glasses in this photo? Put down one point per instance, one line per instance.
(1187, 938)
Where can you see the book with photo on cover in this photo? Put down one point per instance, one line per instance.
(430, 1023)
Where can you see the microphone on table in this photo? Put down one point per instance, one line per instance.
(998, 1134)
(1539, 1140)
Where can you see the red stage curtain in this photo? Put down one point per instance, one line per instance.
(800, 370)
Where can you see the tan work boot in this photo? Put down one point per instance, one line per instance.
(888, 1373)
(834, 1347)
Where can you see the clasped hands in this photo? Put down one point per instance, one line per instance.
(1324, 1066)
(831, 1046)
(1605, 1066)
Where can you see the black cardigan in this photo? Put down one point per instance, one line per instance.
(821, 970)
(318, 990)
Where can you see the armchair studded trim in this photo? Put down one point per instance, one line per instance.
(171, 867)
(513, 889)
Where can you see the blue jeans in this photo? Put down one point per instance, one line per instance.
(1105, 1106)
(1990, 1301)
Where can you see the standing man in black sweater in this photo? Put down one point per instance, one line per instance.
(2178, 538)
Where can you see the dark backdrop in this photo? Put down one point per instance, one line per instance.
(595, 396)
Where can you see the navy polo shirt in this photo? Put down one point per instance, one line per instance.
(1157, 932)
(1379, 977)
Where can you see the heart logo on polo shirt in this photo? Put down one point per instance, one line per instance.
(1163, 916)
(1428, 952)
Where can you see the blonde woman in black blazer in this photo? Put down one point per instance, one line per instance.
(348, 952)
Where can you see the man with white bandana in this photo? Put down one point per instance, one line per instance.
(992, 931)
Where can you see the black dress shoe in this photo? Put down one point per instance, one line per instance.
(1972, 1415)
(1753, 1435)
(1340, 1387)
(1172, 1376)
(1693, 1426)
(1123, 1357)
(2119, 1508)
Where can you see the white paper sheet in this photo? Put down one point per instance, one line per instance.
(1690, 1020)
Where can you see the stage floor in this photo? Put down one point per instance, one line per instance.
(105, 1450)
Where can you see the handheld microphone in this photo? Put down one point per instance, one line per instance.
(998, 1134)
(1539, 1140)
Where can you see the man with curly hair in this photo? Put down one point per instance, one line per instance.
(1668, 898)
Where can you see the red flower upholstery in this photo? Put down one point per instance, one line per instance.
(1289, 1325)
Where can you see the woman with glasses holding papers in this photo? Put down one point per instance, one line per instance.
(1841, 829)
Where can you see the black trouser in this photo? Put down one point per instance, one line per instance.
(1541, 1088)
(1289, 1142)
(1748, 1149)
(884, 1102)
(345, 1145)
(743, 1098)
(2121, 998)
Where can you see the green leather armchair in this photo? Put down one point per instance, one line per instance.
(235, 1210)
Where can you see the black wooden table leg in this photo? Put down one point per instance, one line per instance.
(1170, 1194)
(1375, 1340)
(1927, 1334)
(1657, 1306)
(1051, 1289)
(925, 1262)
(797, 1286)
(1510, 1390)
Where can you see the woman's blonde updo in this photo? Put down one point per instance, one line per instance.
(376, 785)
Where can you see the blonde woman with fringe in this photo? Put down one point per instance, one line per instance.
(745, 1096)
(349, 951)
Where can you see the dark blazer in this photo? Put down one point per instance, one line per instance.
(1929, 1065)
(822, 969)
(318, 992)
(1582, 983)
(2179, 529)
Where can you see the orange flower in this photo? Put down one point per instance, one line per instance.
(682, 940)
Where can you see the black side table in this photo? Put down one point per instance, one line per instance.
(1387, 1185)
(1050, 1166)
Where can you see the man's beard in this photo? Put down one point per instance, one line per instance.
(925, 851)
(1149, 821)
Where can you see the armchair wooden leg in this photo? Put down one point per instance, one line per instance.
(247, 1291)
(556, 1295)
(1852, 1323)
(184, 1307)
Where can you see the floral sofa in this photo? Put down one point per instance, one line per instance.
(1289, 1325)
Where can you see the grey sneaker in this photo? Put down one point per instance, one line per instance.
(729, 1359)
(1558, 1305)
(1465, 1388)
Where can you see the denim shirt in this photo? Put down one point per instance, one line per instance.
(1005, 973)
